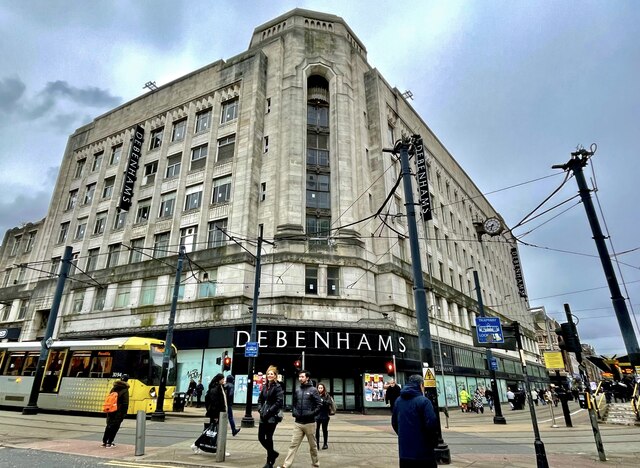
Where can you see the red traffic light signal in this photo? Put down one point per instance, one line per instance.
(226, 363)
(297, 364)
(390, 369)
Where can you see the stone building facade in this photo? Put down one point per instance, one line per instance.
(288, 135)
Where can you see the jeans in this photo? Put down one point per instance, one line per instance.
(299, 432)
(325, 431)
(265, 437)
(232, 422)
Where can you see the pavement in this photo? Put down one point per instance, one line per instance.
(355, 440)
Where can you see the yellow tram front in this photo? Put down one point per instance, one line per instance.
(79, 374)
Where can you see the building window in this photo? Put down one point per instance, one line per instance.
(155, 141)
(216, 236)
(101, 222)
(148, 291)
(226, 147)
(199, 157)
(318, 191)
(318, 115)
(207, 284)
(203, 121)
(178, 131)
(390, 139)
(5, 313)
(73, 198)
(263, 191)
(123, 296)
(318, 226)
(183, 281)
(98, 302)
(97, 161)
(193, 197)
(265, 145)
(24, 306)
(80, 163)
(173, 165)
(229, 110)
(333, 281)
(121, 218)
(188, 238)
(221, 190)
(161, 245)
(317, 149)
(92, 259)
(150, 171)
(30, 241)
(55, 266)
(7, 278)
(64, 230)
(268, 106)
(78, 300)
(167, 203)
(116, 152)
(81, 229)
(136, 250)
(142, 213)
(311, 280)
(114, 255)
(16, 245)
(88, 194)
(107, 191)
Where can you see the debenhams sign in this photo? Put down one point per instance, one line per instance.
(319, 340)
(131, 173)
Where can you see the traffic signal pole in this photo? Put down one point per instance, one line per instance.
(443, 455)
(579, 160)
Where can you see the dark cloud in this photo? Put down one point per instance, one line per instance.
(11, 90)
(27, 205)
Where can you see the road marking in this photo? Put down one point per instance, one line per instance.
(571, 414)
(134, 464)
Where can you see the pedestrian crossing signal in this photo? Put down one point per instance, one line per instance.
(226, 363)
(390, 369)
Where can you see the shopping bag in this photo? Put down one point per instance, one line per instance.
(208, 440)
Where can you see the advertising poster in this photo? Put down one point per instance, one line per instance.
(374, 392)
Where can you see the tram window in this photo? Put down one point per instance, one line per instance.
(101, 365)
(79, 364)
(30, 364)
(53, 371)
(14, 364)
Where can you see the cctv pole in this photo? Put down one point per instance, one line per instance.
(32, 406)
(579, 160)
(498, 418)
(158, 414)
(247, 420)
(443, 455)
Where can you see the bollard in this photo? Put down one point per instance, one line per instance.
(222, 436)
(141, 429)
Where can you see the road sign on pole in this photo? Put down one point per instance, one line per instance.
(489, 330)
(251, 349)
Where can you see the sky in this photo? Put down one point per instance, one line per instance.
(510, 89)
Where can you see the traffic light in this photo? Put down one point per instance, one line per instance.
(226, 363)
(297, 364)
(390, 369)
(568, 338)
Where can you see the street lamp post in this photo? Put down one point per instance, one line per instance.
(158, 414)
(498, 418)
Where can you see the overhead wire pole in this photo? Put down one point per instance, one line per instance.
(577, 162)
(443, 455)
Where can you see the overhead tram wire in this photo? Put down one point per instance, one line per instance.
(520, 236)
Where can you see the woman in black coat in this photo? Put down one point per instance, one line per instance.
(270, 402)
(322, 418)
(215, 400)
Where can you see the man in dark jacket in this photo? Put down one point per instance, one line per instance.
(114, 419)
(392, 393)
(230, 388)
(414, 420)
(306, 405)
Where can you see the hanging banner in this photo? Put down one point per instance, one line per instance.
(517, 270)
(423, 182)
(130, 174)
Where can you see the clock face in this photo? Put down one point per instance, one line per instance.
(492, 226)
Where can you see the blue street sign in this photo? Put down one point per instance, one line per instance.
(493, 364)
(251, 349)
(489, 330)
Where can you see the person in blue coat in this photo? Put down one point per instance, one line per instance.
(414, 420)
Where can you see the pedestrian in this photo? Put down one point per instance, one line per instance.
(322, 419)
(465, 398)
(199, 392)
(392, 393)
(230, 388)
(214, 400)
(270, 403)
(511, 397)
(478, 404)
(115, 418)
(534, 396)
(190, 392)
(414, 420)
(306, 405)
(488, 394)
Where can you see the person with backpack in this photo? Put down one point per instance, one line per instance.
(327, 407)
(116, 415)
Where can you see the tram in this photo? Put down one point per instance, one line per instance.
(78, 375)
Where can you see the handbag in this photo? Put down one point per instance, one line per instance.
(208, 440)
(332, 407)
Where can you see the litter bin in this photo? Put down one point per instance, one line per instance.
(179, 400)
(582, 400)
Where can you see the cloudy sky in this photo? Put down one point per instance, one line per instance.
(510, 88)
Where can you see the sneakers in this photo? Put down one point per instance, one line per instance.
(111, 445)
(103, 445)
(235, 432)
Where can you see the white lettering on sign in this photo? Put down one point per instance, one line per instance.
(281, 340)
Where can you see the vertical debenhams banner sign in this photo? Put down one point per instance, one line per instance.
(423, 182)
(517, 270)
(130, 174)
